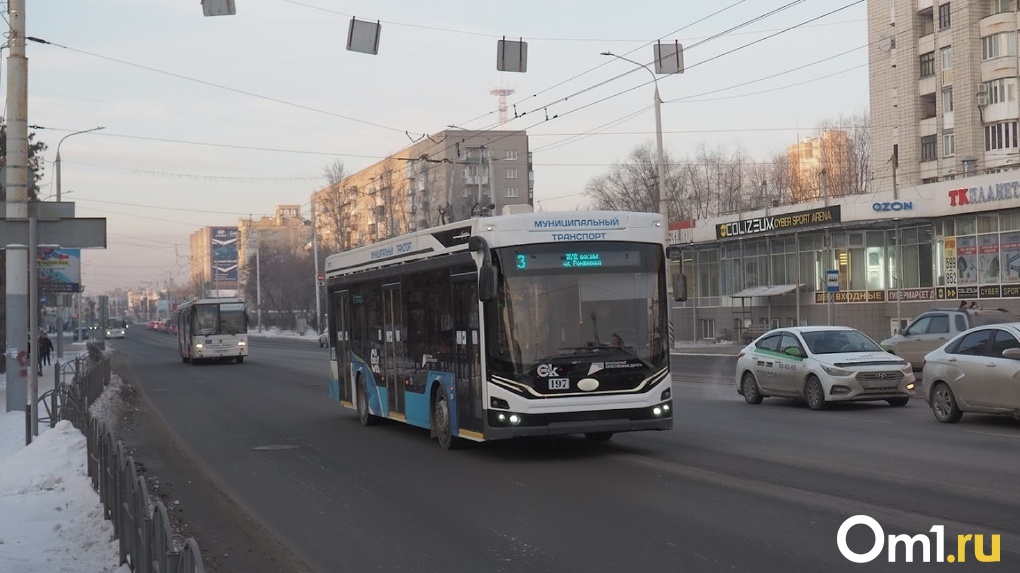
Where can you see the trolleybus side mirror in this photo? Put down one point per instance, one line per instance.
(487, 283)
(487, 272)
(680, 287)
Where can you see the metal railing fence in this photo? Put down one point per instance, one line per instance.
(147, 541)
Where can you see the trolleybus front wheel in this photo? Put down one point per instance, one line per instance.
(441, 426)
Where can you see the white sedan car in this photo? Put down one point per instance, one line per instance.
(822, 364)
(978, 371)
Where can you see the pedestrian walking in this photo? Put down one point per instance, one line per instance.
(45, 348)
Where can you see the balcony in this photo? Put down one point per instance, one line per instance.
(996, 68)
(1004, 22)
(928, 126)
(923, 5)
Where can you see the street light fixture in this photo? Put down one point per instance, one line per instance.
(68, 192)
(56, 162)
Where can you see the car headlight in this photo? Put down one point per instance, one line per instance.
(833, 371)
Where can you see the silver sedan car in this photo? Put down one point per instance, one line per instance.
(977, 371)
(822, 364)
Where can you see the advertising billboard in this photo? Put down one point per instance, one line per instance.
(224, 254)
(59, 269)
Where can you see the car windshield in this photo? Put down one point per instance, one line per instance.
(839, 341)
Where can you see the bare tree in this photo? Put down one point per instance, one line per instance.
(388, 213)
(336, 206)
(629, 186)
(286, 276)
(845, 154)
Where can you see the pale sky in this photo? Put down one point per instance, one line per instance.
(208, 120)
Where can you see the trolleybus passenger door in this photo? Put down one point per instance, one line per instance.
(468, 345)
(393, 347)
(342, 346)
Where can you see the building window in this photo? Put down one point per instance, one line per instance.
(511, 173)
(947, 56)
(1000, 6)
(947, 100)
(948, 144)
(996, 45)
(1001, 136)
(928, 64)
(944, 16)
(706, 327)
(928, 148)
(511, 154)
(1001, 90)
(511, 192)
(928, 106)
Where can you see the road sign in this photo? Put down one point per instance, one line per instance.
(831, 281)
(321, 278)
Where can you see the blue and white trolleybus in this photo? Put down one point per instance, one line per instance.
(529, 324)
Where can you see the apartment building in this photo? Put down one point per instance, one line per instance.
(943, 79)
(445, 177)
(818, 166)
(213, 261)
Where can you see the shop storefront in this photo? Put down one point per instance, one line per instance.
(894, 257)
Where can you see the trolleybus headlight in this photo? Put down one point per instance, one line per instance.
(666, 394)
(241, 343)
(657, 411)
(665, 408)
(515, 419)
(501, 417)
(499, 403)
(198, 345)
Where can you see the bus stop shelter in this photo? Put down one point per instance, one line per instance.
(747, 329)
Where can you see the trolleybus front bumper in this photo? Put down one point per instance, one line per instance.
(504, 424)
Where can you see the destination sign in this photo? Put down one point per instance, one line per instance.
(574, 260)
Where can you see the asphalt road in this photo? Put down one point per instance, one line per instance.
(733, 487)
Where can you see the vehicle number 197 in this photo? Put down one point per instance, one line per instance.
(559, 383)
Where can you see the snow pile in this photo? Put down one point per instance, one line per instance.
(53, 519)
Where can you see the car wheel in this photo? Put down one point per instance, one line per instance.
(943, 404)
(749, 387)
(898, 402)
(814, 395)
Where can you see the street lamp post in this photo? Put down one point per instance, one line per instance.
(56, 181)
(661, 163)
(661, 177)
(56, 161)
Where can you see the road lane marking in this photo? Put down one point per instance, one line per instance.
(994, 434)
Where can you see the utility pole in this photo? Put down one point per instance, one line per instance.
(17, 177)
(315, 256)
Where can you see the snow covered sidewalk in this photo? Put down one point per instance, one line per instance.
(51, 520)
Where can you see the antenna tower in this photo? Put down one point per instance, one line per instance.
(502, 93)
